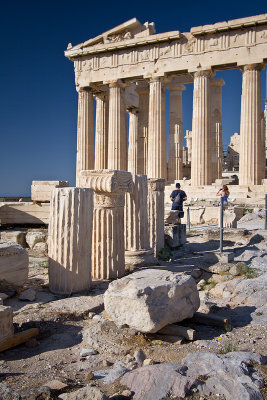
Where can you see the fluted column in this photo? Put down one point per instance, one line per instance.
(70, 240)
(201, 170)
(133, 140)
(157, 167)
(142, 88)
(85, 132)
(117, 128)
(101, 131)
(156, 213)
(108, 252)
(216, 127)
(188, 138)
(138, 252)
(175, 161)
(251, 163)
(264, 138)
(219, 150)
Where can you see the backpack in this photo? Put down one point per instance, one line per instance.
(178, 198)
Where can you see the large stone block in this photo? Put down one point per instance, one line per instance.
(6, 323)
(150, 299)
(175, 235)
(36, 236)
(14, 263)
(41, 190)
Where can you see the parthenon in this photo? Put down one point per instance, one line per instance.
(129, 68)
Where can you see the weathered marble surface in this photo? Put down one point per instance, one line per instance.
(150, 299)
(14, 263)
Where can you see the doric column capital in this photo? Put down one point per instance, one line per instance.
(156, 184)
(252, 67)
(174, 87)
(101, 95)
(206, 73)
(217, 82)
(106, 180)
(83, 89)
(118, 83)
(133, 110)
(142, 87)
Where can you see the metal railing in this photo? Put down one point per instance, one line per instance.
(221, 219)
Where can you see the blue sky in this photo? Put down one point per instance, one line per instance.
(38, 100)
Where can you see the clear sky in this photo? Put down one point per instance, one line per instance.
(38, 100)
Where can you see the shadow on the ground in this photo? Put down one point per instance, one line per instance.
(52, 336)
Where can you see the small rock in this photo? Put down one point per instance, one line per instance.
(196, 273)
(87, 392)
(238, 269)
(3, 296)
(89, 376)
(98, 318)
(56, 385)
(126, 393)
(139, 356)
(88, 352)
(107, 363)
(129, 358)
(91, 315)
(29, 294)
(148, 361)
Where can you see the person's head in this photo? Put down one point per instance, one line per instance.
(178, 185)
(225, 188)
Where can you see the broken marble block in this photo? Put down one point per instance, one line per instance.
(42, 190)
(175, 235)
(150, 299)
(6, 323)
(14, 263)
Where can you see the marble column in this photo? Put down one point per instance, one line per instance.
(142, 88)
(201, 166)
(263, 139)
(250, 161)
(138, 252)
(175, 162)
(85, 132)
(108, 252)
(188, 138)
(133, 158)
(101, 131)
(156, 213)
(156, 162)
(70, 240)
(117, 128)
(216, 127)
(219, 150)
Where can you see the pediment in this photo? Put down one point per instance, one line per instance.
(130, 29)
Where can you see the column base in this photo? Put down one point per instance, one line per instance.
(140, 258)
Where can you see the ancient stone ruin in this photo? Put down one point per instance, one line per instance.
(117, 282)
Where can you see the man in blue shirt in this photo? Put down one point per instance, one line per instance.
(178, 196)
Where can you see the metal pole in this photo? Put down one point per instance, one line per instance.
(221, 225)
(188, 219)
(265, 227)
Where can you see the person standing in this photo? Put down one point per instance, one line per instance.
(178, 196)
(224, 193)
